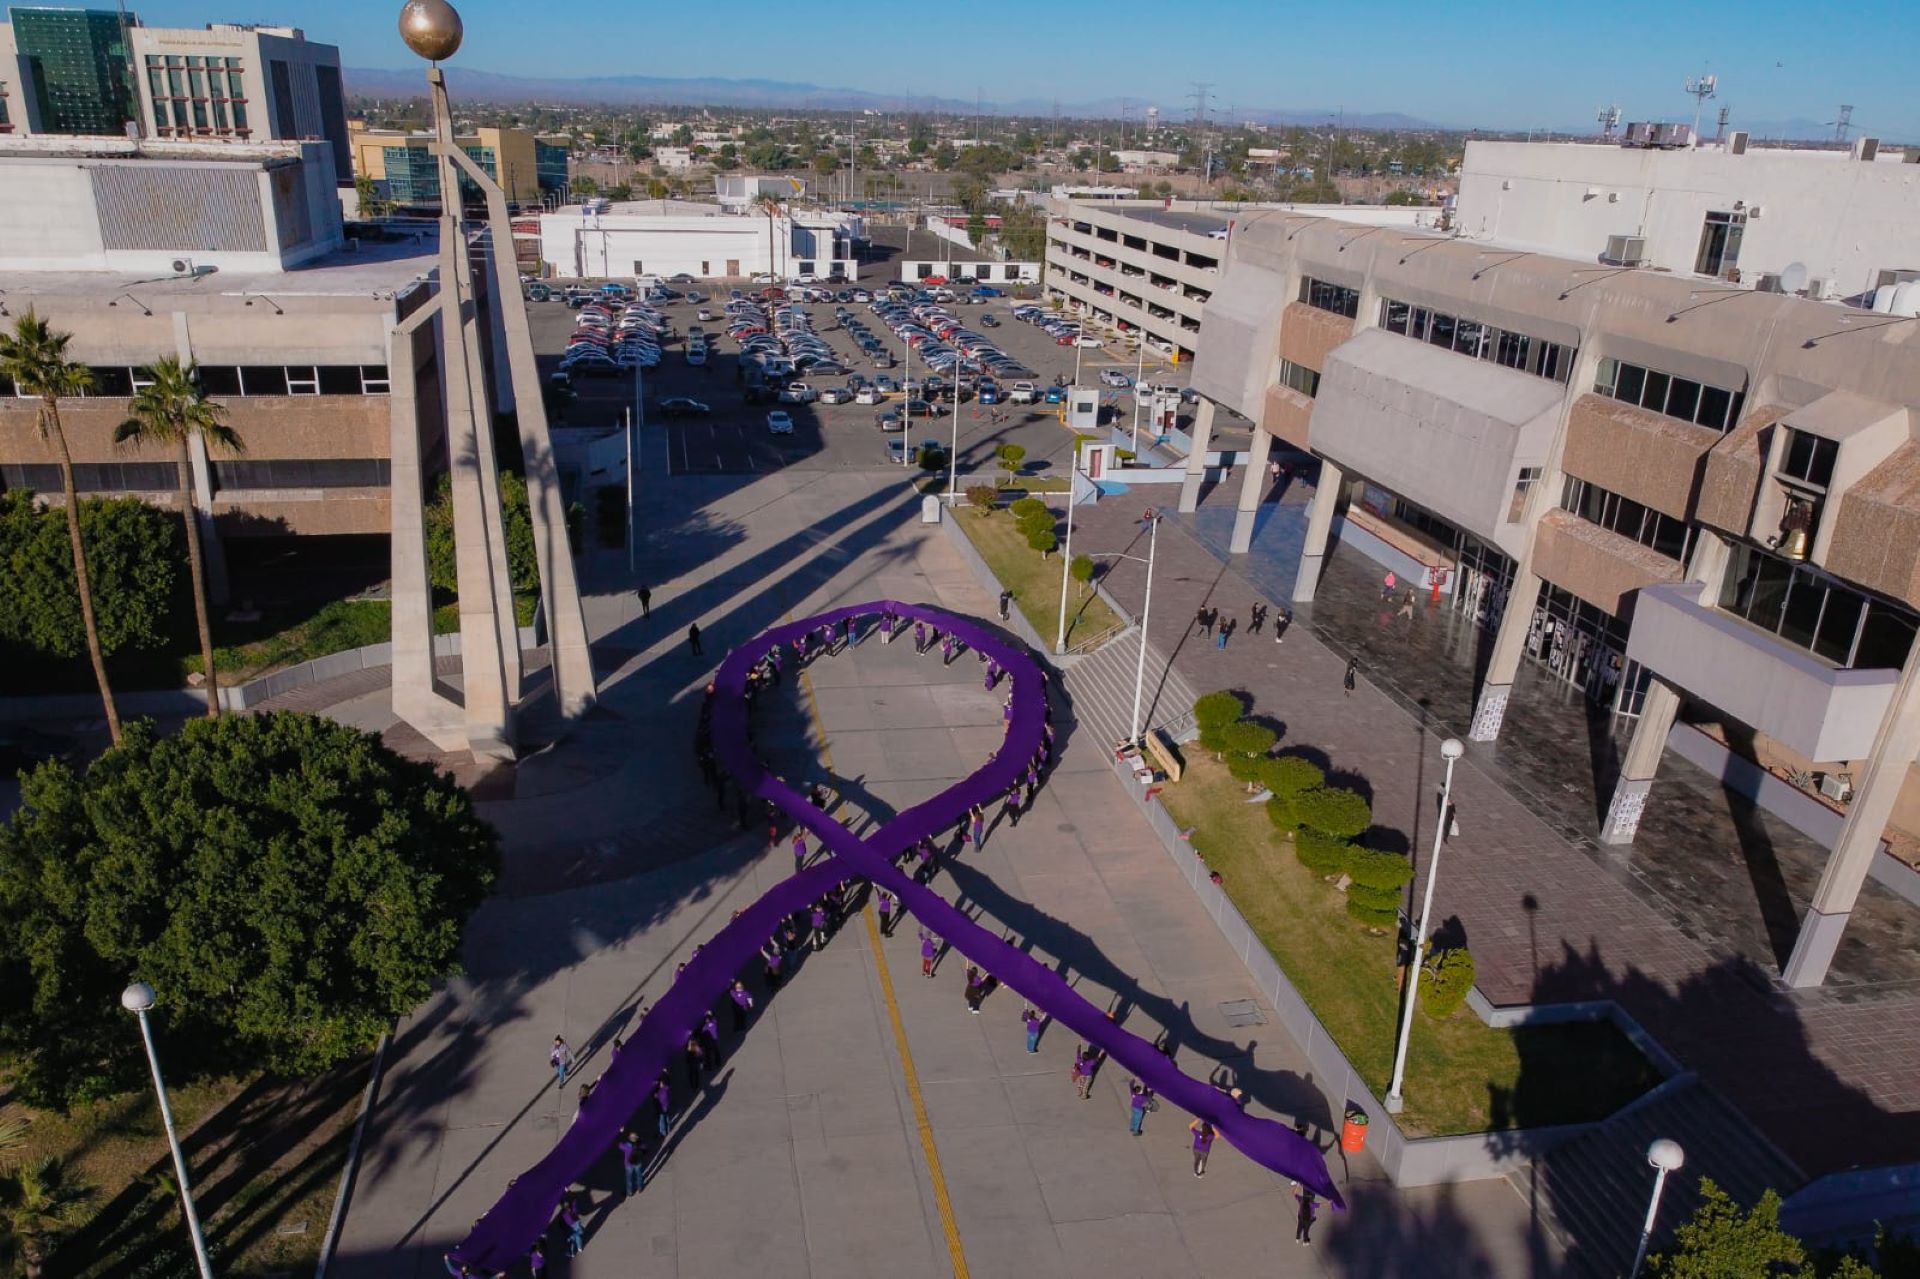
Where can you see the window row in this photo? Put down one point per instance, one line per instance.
(119, 381)
(1809, 459)
(1550, 360)
(1710, 406)
(1337, 298)
(1628, 518)
(164, 477)
(1810, 610)
(1300, 378)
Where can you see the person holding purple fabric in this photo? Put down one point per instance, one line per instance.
(1202, 1145)
(885, 907)
(1139, 1099)
(977, 826)
(537, 1260)
(929, 951)
(1309, 1209)
(1035, 1023)
(710, 1031)
(799, 850)
(663, 1098)
(919, 638)
(818, 920)
(633, 1162)
(696, 1060)
(576, 1228)
(742, 1005)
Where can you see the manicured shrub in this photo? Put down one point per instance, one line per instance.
(1373, 898)
(1082, 569)
(1280, 813)
(1217, 709)
(1371, 916)
(1290, 775)
(1042, 540)
(1244, 737)
(1445, 982)
(1027, 506)
(1388, 872)
(1322, 854)
(981, 496)
(1244, 768)
(1333, 810)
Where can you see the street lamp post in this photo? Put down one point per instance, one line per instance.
(1146, 612)
(1066, 556)
(1666, 1156)
(138, 999)
(1139, 371)
(1450, 750)
(953, 454)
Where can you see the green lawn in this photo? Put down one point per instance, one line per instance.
(1462, 1076)
(1035, 582)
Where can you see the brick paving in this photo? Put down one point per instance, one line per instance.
(1831, 1080)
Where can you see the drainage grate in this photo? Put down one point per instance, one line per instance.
(1242, 1012)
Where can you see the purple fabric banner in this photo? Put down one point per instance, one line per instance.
(523, 1213)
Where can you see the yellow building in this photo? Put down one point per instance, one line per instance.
(402, 164)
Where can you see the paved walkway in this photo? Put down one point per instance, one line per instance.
(1550, 916)
(806, 1155)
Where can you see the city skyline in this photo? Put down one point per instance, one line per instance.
(1466, 66)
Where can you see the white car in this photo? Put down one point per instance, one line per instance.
(780, 422)
(870, 395)
(835, 395)
(1084, 340)
(798, 393)
(704, 314)
(1114, 377)
(1023, 393)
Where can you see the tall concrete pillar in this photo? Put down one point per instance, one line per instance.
(1313, 551)
(1657, 715)
(1895, 746)
(1509, 642)
(1642, 762)
(1197, 460)
(213, 553)
(1253, 486)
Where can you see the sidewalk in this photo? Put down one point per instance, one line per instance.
(1551, 917)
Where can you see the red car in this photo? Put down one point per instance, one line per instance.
(1066, 339)
(935, 279)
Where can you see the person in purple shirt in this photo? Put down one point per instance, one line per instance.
(919, 637)
(929, 867)
(819, 921)
(799, 850)
(742, 1005)
(1035, 1023)
(929, 951)
(710, 1031)
(576, 1228)
(537, 1260)
(946, 650)
(1139, 1098)
(977, 826)
(1202, 1144)
(1010, 807)
(885, 906)
(771, 954)
(633, 1162)
(663, 1098)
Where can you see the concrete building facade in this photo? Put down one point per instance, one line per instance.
(67, 71)
(673, 237)
(1678, 500)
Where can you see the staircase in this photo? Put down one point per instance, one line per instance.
(1592, 1192)
(1101, 685)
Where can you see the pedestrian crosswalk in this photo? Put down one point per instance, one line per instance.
(1101, 684)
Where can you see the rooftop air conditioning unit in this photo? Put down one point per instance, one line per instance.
(1673, 137)
(1769, 282)
(1625, 250)
(1638, 134)
(183, 266)
(1819, 290)
(1837, 787)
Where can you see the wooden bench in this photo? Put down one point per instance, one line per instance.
(1161, 750)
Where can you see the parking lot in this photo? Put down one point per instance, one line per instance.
(733, 439)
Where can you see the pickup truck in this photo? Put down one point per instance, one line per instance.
(1023, 393)
(798, 393)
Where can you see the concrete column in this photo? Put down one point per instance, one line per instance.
(1313, 551)
(1895, 746)
(1197, 460)
(1509, 642)
(1253, 486)
(213, 555)
(1637, 770)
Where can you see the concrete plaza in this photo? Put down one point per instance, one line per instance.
(807, 1152)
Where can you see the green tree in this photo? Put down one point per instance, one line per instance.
(620, 191)
(169, 412)
(38, 1204)
(729, 156)
(523, 565)
(944, 156)
(584, 185)
(1721, 1242)
(135, 556)
(34, 358)
(825, 162)
(367, 194)
(287, 883)
(683, 136)
(1082, 569)
(1010, 458)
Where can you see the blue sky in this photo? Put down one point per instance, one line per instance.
(1467, 62)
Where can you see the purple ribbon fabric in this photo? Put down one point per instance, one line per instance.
(523, 1213)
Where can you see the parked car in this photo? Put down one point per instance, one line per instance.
(780, 422)
(681, 406)
(870, 395)
(798, 393)
(1056, 395)
(987, 321)
(1088, 341)
(1023, 393)
(836, 395)
(1114, 377)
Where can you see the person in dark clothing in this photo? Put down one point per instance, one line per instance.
(646, 601)
(693, 639)
(1309, 1209)
(1006, 604)
(1203, 620)
(1348, 680)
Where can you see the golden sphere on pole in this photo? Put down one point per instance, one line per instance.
(431, 29)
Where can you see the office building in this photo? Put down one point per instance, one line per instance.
(69, 70)
(402, 166)
(1679, 495)
(599, 240)
(1152, 265)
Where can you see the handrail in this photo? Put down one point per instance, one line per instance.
(1091, 643)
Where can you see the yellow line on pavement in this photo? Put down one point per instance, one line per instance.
(941, 1200)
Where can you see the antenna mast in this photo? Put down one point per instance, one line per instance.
(1701, 88)
(1609, 118)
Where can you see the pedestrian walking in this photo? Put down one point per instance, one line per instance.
(646, 600)
(1348, 680)
(1256, 616)
(1406, 605)
(1086, 1061)
(1202, 1145)
(885, 906)
(818, 920)
(1226, 629)
(693, 639)
(1006, 604)
(1139, 1097)
(1280, 625)
(1034, 1023)
(929, 951)
(1309, 1209)
(1010, 807)
(973, 991)
(633, 1162)
(663, 1098)
(1387, 584)
(1203, 620)
(576, 1228)
(537, 1260)
(560, 1057)
(742, 1005)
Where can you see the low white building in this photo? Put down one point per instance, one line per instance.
(739, 192)
(1832, 223)
(673, 237)
(673, 159)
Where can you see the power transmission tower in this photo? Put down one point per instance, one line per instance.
(1841, 125)
(1201, 88)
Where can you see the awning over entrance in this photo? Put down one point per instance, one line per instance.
(1242, 324)
(1446, 432)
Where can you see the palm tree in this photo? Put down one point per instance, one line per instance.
(170, 411)
(38, 1203)
(34, 357)
(770, 205)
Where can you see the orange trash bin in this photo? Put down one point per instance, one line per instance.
(1353, 1133)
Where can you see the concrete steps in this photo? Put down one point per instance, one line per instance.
(1101, 685)
(1593, 1191)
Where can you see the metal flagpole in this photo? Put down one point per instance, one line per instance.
(1146, 611)
(1066, 556)
(1450, 750)
(629, 435)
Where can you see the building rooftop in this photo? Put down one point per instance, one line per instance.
(208, 151)
(1181, 220)
(378, 269)
(917, 245)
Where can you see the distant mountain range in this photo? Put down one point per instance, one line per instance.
(632, 90)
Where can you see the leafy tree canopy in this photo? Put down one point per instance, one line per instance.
(286, 883)
(135, 562)
(523, 565)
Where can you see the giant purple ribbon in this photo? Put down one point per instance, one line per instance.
(504, 1234)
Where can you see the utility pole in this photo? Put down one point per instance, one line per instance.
(1201, 88)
